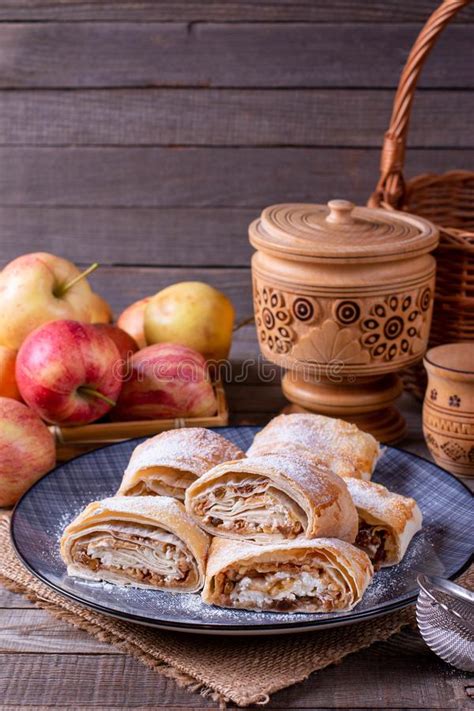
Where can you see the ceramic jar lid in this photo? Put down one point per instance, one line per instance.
(341, 231)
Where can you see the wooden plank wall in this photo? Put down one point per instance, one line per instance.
(147, 135)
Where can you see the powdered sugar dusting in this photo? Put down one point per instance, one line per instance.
(385, 505)
(293, 468)
(339, 445)
(144, 507)
(191, 449)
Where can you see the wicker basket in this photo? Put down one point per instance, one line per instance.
(447, 200)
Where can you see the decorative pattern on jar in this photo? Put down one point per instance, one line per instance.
(393, 328)
(356, 331)
(273, 319)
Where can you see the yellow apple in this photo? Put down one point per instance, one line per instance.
(191, 314)
(37, 288)
(101, 311)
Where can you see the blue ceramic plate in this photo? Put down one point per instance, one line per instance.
(443, 547)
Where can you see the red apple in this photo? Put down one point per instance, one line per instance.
(125, 344)
(27, 450)
(69, 373)
(165, 380)
(132, 321)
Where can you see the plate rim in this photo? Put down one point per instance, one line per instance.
(213, 628)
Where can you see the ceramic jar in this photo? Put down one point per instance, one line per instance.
(343, 300)
(448, 409)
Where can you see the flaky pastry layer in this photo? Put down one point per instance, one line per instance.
(319, 575)
(271, 498)
(147, 542)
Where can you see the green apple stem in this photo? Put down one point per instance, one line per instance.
(92, 392)
(245, 322)
(63, 289)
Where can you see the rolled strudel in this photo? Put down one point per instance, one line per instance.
(335, 444)
(319, 575)
(168, 463)
(272, 498)
(387, 521)
(145, 542)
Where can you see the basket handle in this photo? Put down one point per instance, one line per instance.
(391, 185)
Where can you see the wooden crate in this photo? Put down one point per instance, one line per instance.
(72, 441)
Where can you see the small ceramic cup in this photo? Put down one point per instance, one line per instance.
(448, 408)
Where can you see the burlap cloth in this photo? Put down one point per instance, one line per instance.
(243, 670)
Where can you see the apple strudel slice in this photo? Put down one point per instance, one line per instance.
(335, 444)
(387, 521)
(319, 575)
(271, 498)
(144, 542)
(168, 463)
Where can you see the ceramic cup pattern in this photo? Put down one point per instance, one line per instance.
(448, 409)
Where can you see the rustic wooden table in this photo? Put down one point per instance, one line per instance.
(46, 663)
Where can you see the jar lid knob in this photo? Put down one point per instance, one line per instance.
(340, 212)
